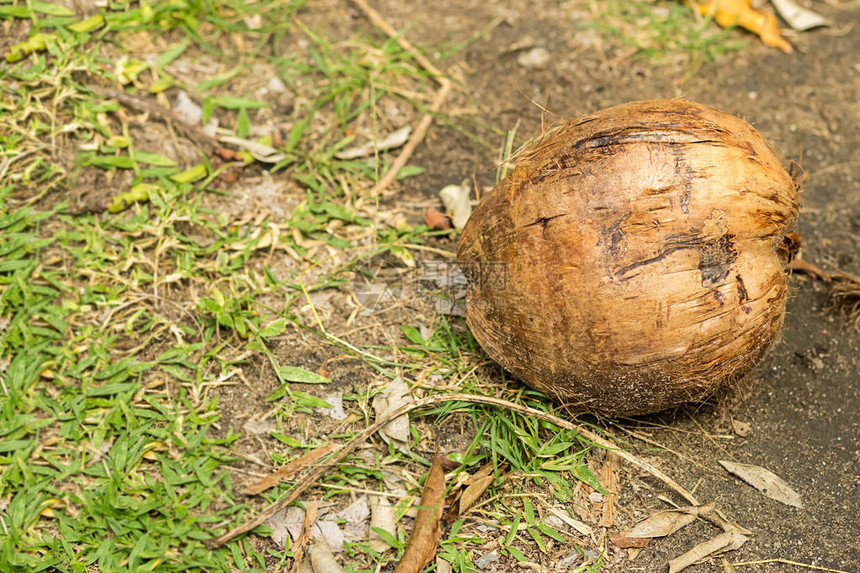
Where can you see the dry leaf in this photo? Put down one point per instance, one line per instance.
(395, 395)
(798, 17)
(723, 542)
(766, 482)
(436, 220)
(391, 141)
(443, 566)
(476, 487)
(425, 533)
(323, 559)
(456, 200)
(355, 516)
(305, 566)
(381, 517)
(738, 12)
(287, 471)
(668, 521)
(575, 524)
(624, 542)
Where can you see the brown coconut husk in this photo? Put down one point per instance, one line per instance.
(631, 260)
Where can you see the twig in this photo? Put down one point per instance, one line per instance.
(787, 562)
(362, 436)
(421, 129)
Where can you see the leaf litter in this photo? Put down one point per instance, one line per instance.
(765, 481)
(395, 395)
(667, 522)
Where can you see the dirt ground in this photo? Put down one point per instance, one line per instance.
(801, 402)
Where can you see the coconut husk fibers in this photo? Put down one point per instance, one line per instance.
(632, 259)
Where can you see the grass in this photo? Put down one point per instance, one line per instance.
(661, 30)
(133, 296)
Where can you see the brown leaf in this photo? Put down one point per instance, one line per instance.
(621, 540)
(288, 470)
(381, 517)
(436, 220)
(723, 542)
(474, 491)
(395, 395)
(322, 558)
(766, 482)
(425, 533)
(669, 521)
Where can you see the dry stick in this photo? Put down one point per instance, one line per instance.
(423, 125)
(362, 436)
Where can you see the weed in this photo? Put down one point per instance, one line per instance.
(659, 30)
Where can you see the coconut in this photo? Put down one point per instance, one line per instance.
(632, 260)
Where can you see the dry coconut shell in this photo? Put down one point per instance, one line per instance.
(632, 260)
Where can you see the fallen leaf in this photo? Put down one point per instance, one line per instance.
(330, 531)
(391, 141)
(475, 488)
(456, 200)
(624, 542)
(305, 566)
(766, 482)
(355, 517)
(741, 428)
(436, 220)
(381, 517)
(668, 521)
(577, 525)
(287, 471)
(442, 566)
(798, 17)
(425, 532)
(323, 559)
(727, 541)
(717, 519)
(739, 13)
(395, 395)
